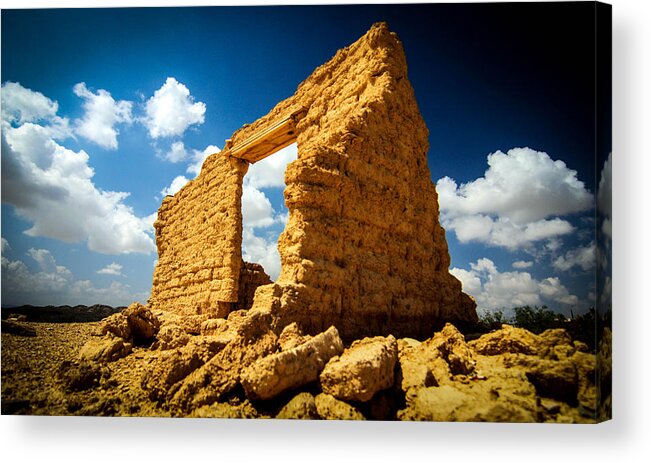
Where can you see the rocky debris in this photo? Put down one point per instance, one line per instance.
(171, 337)
(17, 328)
(435, 361)
(162, 377)
(243, 369)
(221, 374)
(330, 408)
(365, 368)
(135, 324)
(301, 407)
(422, 367)
(213, 325)
(508, 339)
(80, 376)
(291, 368)
(556, 380)
(251, 276)
(556, 344)
(106, 349)
(291, 337)
(452, 346)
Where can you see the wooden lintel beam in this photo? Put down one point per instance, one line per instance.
(270, 140)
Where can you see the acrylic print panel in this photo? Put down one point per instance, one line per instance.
(247, 213)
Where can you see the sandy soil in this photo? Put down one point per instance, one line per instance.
(32, 372)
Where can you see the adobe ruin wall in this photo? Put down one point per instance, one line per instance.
(363, 248)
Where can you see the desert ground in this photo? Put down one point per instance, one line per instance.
(143, 363)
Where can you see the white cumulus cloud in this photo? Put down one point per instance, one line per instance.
(21, 105)
(177, 153)
(101, 114)
(256, 208)
(178, 183)
(270, 172)
(258, 212)
(520, 264)
(51, 187)
(111, 269)
(519, 201)
(261, 250)
(171, 110)
(495, 290)
(55, 284)
(583, 257)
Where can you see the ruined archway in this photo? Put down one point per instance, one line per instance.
(363, 249)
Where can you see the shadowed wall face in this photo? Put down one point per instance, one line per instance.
(363, 249)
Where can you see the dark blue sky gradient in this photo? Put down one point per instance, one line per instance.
(486, 77)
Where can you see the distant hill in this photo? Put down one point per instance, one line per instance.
(62, 314)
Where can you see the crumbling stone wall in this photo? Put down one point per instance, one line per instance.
(199, 240)
(363, 249)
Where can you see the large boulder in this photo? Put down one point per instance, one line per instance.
(171, 337)
(292, 368)
(365, 368)
(508, 339)
(301, 407)
(168, 370)
(106, 349)
(452, 346)
(556, 344)
(221, 374)
(136, 324)
(330, 408)
(291, 337)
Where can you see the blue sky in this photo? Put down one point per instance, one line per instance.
(105, 110)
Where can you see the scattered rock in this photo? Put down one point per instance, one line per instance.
(301, 407)
(136, 324)
(581, 346)
(213, 326)
(171, 337)
(16, 406)
(330, 408)
(251, 276)
(106, 349)
(453, 348)
(365, 368)
(221, 374)
(556, 380)
(168, 369)
(291, 337)
(555, 343)
(508, 339)
(289, 369)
